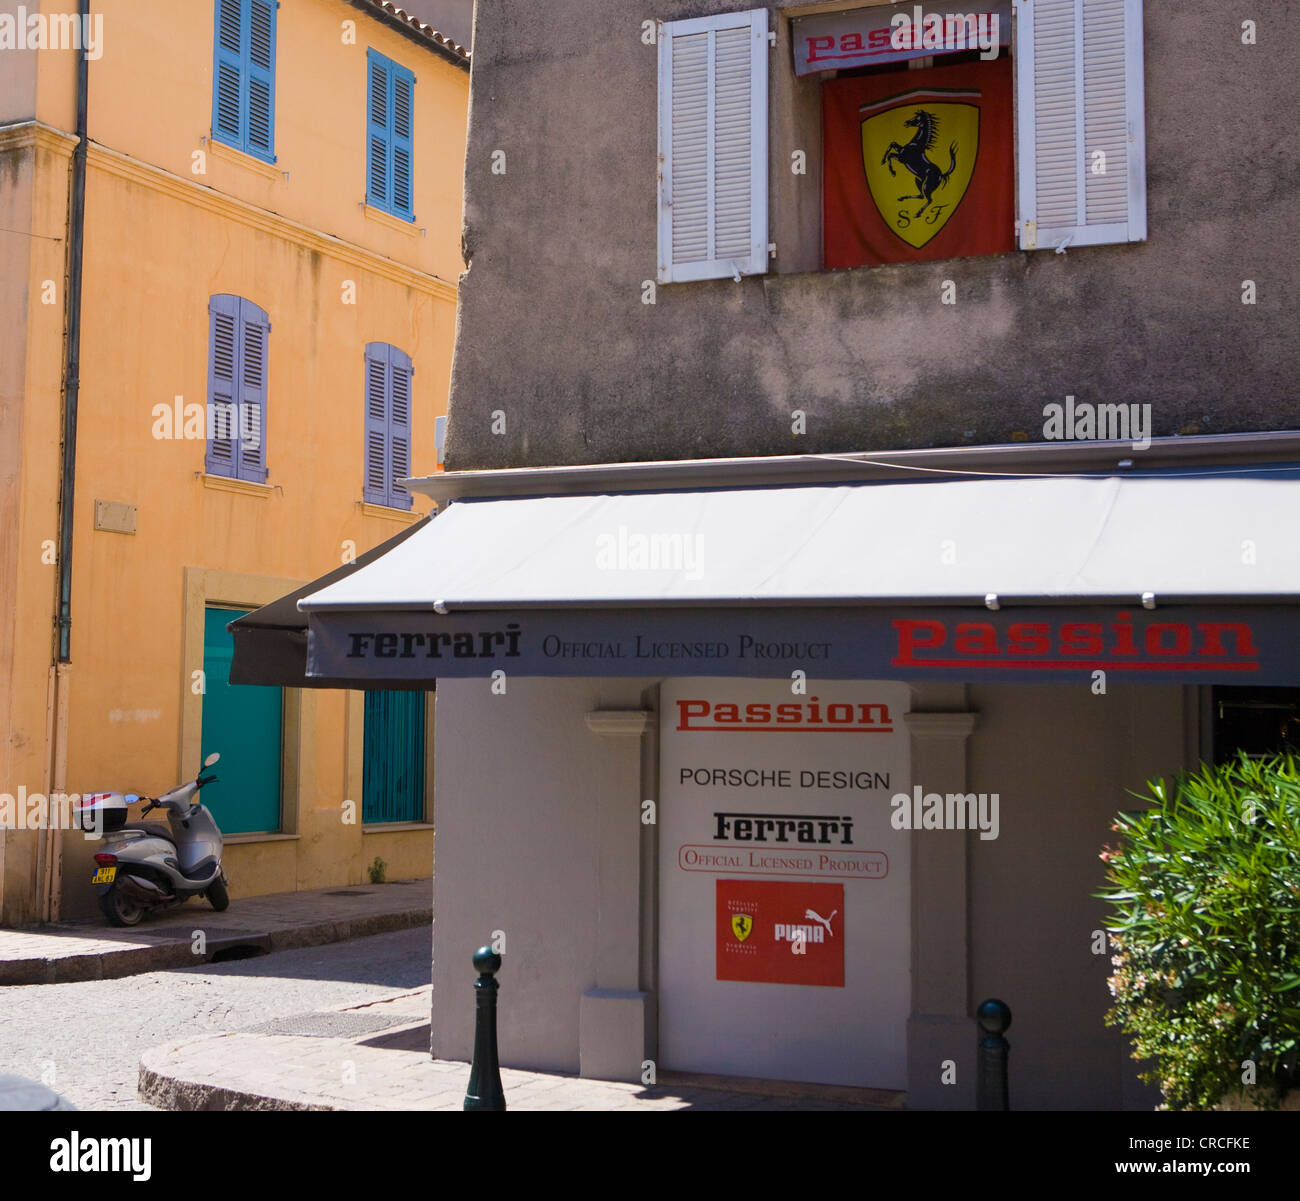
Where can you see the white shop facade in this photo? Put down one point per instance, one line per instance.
(779, 777)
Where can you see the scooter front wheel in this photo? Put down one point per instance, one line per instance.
(119, 910)
(217, 895)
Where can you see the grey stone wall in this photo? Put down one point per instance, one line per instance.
(553, 332)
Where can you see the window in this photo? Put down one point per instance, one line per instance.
(390, 137)
(388, 425)
(1260, 721)
(440, 439)
(243, 76)
(237, 365)
(393, 763)
(918, 164)
(1068, 169)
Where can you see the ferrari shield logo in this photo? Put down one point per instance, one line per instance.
(741, 926)
(919, 151)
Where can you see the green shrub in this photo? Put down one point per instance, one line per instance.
(378, 871)
(1205, 889)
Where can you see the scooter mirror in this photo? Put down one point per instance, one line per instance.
(211, 759)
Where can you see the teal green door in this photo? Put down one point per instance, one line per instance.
(243, 724)
(393, 767)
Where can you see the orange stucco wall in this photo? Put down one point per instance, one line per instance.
(171, 221)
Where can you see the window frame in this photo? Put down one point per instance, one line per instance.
(799, 253)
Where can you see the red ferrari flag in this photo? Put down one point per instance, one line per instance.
(918, 165)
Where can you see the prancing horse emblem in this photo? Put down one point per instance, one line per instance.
(741, 926)
(902, 131)
(914, 156)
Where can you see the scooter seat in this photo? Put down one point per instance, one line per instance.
(153, 829)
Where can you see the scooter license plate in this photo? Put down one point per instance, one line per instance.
(105, 875)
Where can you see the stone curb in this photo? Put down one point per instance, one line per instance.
(156, 1087)
(175, 952)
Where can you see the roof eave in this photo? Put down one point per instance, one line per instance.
(1017, 458)
(439, 43)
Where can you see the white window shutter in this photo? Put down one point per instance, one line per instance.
(713, 80)
(1080, 98)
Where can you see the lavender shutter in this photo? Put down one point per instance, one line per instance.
(378, 149)
(375, 485)
(399, 426)
(255, 330)
(223, 398)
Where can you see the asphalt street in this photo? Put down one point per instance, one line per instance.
(85, 1039)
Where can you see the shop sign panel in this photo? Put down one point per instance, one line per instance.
(1242, 644)
(784, 879)
(780, 932)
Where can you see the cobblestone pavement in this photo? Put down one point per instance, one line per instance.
(86, 1038)
(93, 950)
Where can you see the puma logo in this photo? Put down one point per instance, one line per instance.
(813, 916)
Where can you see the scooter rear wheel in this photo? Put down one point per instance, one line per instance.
(119, 910)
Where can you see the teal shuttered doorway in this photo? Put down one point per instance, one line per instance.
(393, 771)
(243, 723)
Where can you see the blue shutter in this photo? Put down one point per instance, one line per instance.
(399, 426)
(378, 125)
(390, 137)
(403, 143)
(255, 332)
(228, 90)
(375, 488)
(223, 390)
(394, 757)
(260, 107)
(243, 76)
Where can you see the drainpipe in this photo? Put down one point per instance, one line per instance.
(48, 872)
(72, 364)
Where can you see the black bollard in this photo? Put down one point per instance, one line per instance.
(485, 1075)
(993, 1017)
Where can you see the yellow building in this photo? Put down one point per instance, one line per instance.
(267, 267)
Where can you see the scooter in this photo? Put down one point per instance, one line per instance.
(146, 865)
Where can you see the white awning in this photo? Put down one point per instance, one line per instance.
(1089, 540)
